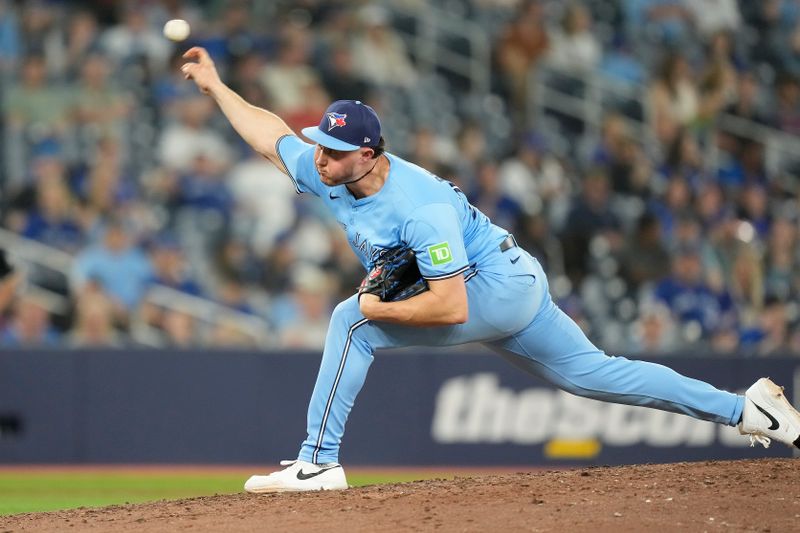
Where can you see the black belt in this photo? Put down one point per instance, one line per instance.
(508, 243)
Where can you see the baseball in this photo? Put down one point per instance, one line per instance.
(176, 30)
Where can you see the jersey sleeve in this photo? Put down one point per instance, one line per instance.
(298, 158)
(435, 234)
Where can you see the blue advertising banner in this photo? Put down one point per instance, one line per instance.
(416, 408)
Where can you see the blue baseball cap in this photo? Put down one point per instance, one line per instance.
(347, 125)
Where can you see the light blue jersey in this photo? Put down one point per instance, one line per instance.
(413, 208)
(510, 309)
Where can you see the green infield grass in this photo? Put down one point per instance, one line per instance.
(43, 490)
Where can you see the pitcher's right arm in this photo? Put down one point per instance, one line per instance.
(260, 128)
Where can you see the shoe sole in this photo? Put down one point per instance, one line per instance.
(277, 489)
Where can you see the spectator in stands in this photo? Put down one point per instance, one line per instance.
(228, 334)
(182, 143)
(233, 293)
(179, 329)
(675, 201)
(315, 101)
(41, 33)
(754, 207)
(767, 19)
(29, 325)
(169, 266)
(9, 39)
(591, 215)
(434, 151)
(102, 187)
(747, 105)
(786, 112)
(536, 235)
(724, 239)
(54, 220)
(81, 39)
(100, 109)
(235, 259)
(620, 64)
(344, 266)
(574, 47)
(487, 195)
(240, 34)
(613, 133)
(202, 190)
(781, 261)
(522, 44)
(472, 150)
(717, 90)
(301, 316)
(340, 76)
(285, 80)
(535, 179)
(709, 204)
(769, 336)
(168, 89)
(134, 44)
(379, 54)
(119, 267)
(691, 300)
(710, 17)
(94, 319)
(746, 284)
(627, 165)
(665, 21)
(653, 332)
(672, 98)
(264, 200)
(644, 259)
(790, 53)
(37, 117)
(245, 76)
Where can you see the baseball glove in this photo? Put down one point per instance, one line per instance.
(394, 276)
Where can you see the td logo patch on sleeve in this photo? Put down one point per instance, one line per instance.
(440, 253)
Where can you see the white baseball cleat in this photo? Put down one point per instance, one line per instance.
(299, 476)
(769, 415)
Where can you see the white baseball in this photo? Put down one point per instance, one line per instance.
(176, 30)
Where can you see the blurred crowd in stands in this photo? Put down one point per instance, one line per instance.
(661, 230)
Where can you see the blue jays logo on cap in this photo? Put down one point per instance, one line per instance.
(336, 120)
(347, 125)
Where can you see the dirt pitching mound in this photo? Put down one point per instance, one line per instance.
(753, 495)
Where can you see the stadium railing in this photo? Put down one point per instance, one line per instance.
(47, 274)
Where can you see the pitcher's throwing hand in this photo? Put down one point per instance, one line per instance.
(200, 69)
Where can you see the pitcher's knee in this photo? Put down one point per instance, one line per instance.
(596, 378)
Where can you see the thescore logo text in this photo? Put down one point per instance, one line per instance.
(476, 409)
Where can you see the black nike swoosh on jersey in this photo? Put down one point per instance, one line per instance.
(513, 261)
(302, 476)
(775, 425)
(333, 196)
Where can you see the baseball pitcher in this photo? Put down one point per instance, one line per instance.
(440, 273)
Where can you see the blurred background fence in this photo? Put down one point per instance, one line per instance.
(417, 408)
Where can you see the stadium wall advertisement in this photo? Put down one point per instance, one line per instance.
(416, 408)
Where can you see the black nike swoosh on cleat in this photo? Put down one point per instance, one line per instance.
(513, 261)
(775, 425)
(333, 196)
(302, 476)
